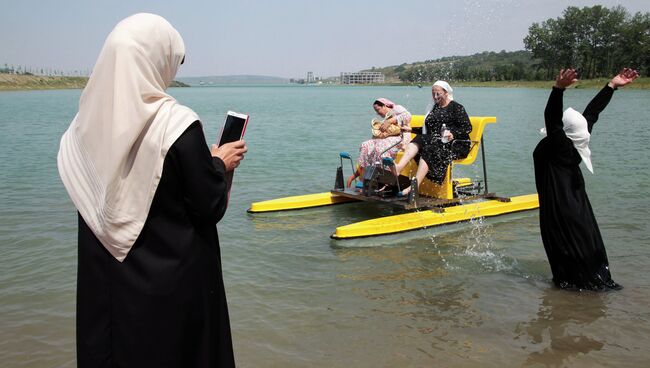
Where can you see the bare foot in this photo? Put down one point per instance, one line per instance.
(350, 179)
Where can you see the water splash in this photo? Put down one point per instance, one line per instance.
(472, 249)
(438, 250)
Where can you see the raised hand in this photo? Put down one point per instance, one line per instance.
(624, 77)
(566, 78)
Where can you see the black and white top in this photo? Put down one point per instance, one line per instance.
(436, 154)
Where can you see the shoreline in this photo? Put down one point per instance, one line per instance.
(640, 83)
(19, 82)
(15, 82)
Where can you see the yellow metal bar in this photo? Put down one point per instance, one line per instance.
(297, 202)
(424, 219)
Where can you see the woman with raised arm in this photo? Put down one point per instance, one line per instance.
(570, 234)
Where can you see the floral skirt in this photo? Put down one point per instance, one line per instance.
(370, 151)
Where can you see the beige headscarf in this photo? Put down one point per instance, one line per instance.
(111, 157)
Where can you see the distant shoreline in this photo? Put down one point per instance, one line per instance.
(640, 83)
(14, 82)
(20, 82)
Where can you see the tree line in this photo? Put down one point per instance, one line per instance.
(596, 40)
(485, 66)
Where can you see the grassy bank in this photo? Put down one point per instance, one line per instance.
(9, 82)
(640, 83)
(15, 82)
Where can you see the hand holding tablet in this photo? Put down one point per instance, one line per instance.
(231, 148)
(230, 153)
(233, 127)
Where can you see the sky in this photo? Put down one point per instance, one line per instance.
(280, 38)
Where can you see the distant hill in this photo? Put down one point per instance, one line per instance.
(484, 66)
(176, 83)
(232, 79)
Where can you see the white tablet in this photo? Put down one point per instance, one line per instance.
(233, 127)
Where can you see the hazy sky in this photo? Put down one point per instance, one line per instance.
(280, 38)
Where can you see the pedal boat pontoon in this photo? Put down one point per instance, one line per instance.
(430, 204)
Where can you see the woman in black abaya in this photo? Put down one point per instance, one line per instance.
(149, 193)
(568, 227)
(438, 148)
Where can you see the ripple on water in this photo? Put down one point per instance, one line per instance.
(472, 294)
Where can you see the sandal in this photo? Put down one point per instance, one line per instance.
(404, 193)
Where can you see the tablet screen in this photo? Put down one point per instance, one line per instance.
(233, 128)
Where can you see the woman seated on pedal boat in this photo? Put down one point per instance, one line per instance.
(437, 151)
(371, 150)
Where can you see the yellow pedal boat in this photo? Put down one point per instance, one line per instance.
(455, 200)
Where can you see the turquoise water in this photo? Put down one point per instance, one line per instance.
(475, 294)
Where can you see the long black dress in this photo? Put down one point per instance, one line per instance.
(165, 305)
(439, 155)
(569, 230)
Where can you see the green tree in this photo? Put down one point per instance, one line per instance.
(596, 40)
(636, 50)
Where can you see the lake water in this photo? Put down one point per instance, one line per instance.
(475, 294)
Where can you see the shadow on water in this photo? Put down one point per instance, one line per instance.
(558, 332)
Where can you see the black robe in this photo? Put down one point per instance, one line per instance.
(439, 155)
(165, 305)
(568, 227)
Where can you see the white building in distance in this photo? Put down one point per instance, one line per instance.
(362, 78)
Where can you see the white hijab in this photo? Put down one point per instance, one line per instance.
(450, 94)
(576, 129)
(111, 157)
(444, 85)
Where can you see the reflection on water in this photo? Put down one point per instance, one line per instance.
(427, 290)
(469, 247)
(393, 264)
(558, 331)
